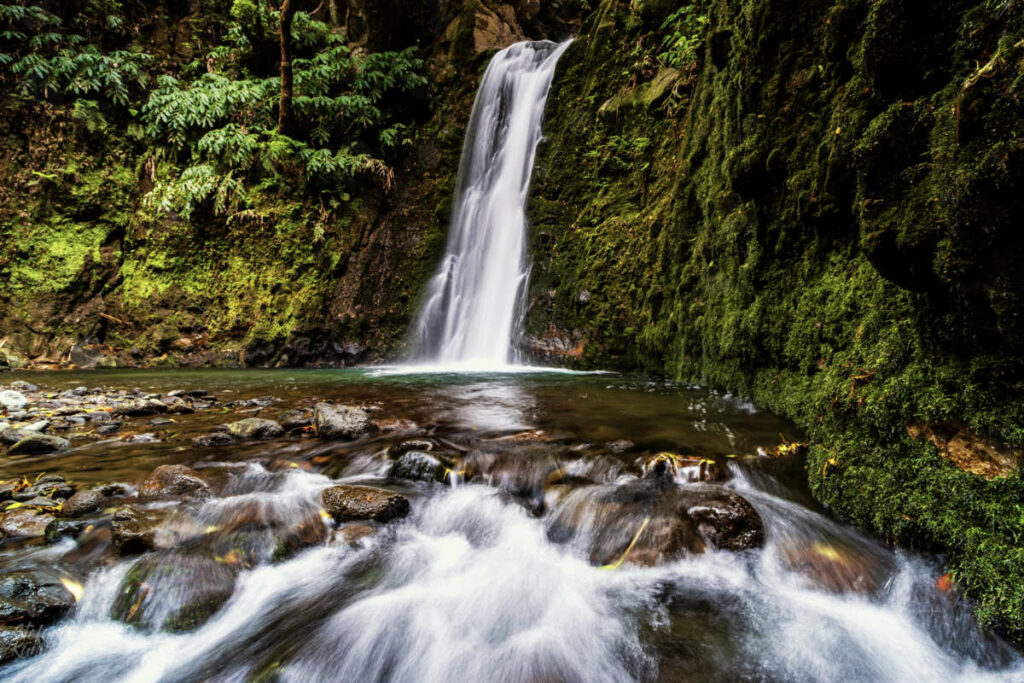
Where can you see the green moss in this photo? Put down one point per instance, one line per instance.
(819, 224)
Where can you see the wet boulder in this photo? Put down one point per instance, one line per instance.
(141, 407)
(64, 528)
(37, 443)
(173, 591)
(32, 598)
(296, 419)
(130, 531)
(422, 466)
(348, 502)
(83, 503)
(13, 435)
(16, 642)
(12, 401)
(255, 428)
(178, 406)
(727, 522)
(836, 568)
(25, 522)
(214, 440)
(174, 481)
(648, 521)
(342, 423)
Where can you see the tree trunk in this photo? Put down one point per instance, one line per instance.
(335, 13)
(284, 111)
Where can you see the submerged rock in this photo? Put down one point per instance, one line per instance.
(214, 440)
(345, 423)
(174, 481)
(649, 521)
(421, 466)
(47, 486)
(836, 568)
(253, 533)
(35, 443)
(130, 532)
(255, 428)
(347, 502)
(32, 598)
(353, 534)
(411, 445)
(16, 642)
(64, 528)
(141, 407)
(173, 591)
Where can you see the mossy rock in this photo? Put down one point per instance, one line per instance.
(173, 591)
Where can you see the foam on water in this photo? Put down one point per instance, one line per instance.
(471, 588)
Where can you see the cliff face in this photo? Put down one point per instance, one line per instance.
(91, 275)
(821, 210)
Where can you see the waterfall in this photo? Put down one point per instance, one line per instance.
(474, 304)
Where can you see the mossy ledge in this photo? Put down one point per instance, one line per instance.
(822, 213)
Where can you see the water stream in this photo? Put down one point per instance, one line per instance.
(473, 304)
(479, 583)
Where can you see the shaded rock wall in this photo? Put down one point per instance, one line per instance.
(823, 213)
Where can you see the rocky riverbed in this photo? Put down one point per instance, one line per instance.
(643, 515)
(152, 509)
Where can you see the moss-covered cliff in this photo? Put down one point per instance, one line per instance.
(821, 210)
(94, 271)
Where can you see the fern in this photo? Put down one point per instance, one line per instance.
(222, 124)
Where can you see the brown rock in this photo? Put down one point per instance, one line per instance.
(346, 503)
(836, 568)
(82, 503)
(25, 522)
(174, 481)
(728, 522)
(968, 450)
(130, 533)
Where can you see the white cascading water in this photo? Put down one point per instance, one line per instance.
(474, 303)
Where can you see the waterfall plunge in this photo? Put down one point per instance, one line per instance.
(473, 309)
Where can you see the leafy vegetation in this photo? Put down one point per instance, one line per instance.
(219, 132)
(51, 58)
(211, 130)
(683, 35)
(145, 161)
